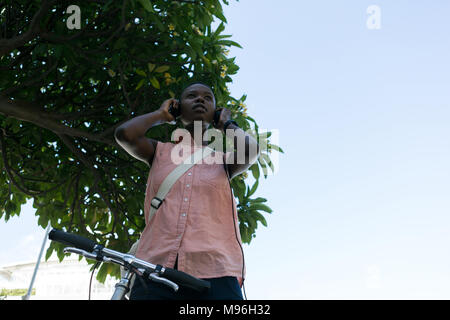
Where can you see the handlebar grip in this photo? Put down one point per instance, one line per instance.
(186, 280)
(72, 240)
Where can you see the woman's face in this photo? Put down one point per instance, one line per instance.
(197, 103)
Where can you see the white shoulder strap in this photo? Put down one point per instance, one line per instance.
(170, 180)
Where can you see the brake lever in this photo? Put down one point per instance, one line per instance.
(154, 276)
(128, 259)
(81, 252)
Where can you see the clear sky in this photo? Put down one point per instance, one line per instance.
(361, 197)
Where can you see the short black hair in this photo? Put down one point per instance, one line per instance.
(191, 84)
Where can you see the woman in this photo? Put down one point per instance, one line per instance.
(195, 230)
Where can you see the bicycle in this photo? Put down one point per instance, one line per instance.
(131, 265)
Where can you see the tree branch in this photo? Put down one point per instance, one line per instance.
(30, 82)
(89, 164)
(26, 111)
(7, 45)
(125, 93)
(8, 169)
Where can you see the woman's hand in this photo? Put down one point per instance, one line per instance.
(131, 134)
(225, 115)
(164, 109)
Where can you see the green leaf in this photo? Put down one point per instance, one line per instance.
(151, 67)
(229, 43)
(260, 217)
(159, 24)
(252, 224)
(103, 272)
(224, 36)
(244, 233)
(147, 5)
(261, 206)
(219, 29)
(140, 84)
(162, 69)
(11, 209)
(154, 82)
(258, 200)
(220, 15)
(255, 170)
(141, 72)
(266, 158)
(191, 52)
(60, 252)
(239, 184)
(263, 167)
(275, 147)
(253, 189)
(50, 250)
(197, 46)
(43, 220)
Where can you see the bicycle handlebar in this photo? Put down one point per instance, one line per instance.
(72, 240)
(89, 246)
(185, 279)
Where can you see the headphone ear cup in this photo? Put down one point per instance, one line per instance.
(175, 112)
(217, 116)
(179, 107)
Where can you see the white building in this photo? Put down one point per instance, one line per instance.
(68, 280)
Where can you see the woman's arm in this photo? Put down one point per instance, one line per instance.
(131, 134)
(246, 148)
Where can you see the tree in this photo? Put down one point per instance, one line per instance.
(64, 89)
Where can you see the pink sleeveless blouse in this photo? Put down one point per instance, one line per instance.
(196, 220)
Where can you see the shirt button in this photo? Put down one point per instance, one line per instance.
(187, 186)
(185, 199)
(183, 214)
(190, 174)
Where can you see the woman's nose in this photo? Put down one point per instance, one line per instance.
(199, 98)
